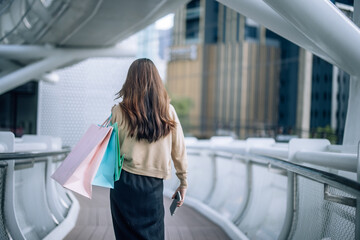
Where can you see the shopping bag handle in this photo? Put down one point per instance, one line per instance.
(107, 121)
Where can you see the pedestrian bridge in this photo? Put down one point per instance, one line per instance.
(238, 189)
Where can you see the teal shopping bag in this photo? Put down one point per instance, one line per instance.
(119, 158)
(105, 175)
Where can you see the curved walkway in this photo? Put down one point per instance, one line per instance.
(94, 221)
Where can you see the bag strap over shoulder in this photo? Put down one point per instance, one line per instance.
(107, 121)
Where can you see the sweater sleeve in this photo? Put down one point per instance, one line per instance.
(178, 151)
(114, 114)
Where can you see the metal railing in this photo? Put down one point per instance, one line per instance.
(35, 207)
(255, 189)
(278, 191)
(3, 168)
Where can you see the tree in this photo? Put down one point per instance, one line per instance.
(326, 132)
(183, 106)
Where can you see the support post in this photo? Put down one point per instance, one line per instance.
(304, 93)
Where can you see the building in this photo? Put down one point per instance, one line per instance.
(244, 79)
(225, 65)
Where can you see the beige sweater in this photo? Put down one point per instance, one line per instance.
(153, 159)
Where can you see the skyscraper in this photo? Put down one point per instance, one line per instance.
(244, 79)
(223, 62)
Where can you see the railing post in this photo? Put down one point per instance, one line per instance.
(9, 203)
(213, 179)
(290, 206)
(8, 140)
(296, 145)
(237, 220)
(250, 142)
(357, 214)
(3, 233)
(54, 203)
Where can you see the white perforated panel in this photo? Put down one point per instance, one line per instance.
(83, 96)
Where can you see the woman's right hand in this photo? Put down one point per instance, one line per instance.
(182, 193)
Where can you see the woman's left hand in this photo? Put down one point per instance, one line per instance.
(182, 194)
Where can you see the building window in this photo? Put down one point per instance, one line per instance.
(251, 32)
(192, 30)
(192, 21)
(251, 29)
(18, 112)
(193, 4)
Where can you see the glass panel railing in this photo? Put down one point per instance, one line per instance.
(35, 206)
(266, 196)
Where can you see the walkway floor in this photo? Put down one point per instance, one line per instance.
(94, 221)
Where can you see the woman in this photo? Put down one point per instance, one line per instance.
(150, 136)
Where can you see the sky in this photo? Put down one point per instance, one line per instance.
(165, 23)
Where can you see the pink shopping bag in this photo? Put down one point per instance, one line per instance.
(79, 168)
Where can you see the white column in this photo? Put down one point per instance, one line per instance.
(334, 101)
(352, 124)
(304, 93)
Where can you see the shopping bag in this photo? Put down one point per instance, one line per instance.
(119, 159)
(118, 167)
(79, 168)
(106, 172)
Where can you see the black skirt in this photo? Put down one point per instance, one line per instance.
(137, 207)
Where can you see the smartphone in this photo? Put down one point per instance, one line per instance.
(173, 205)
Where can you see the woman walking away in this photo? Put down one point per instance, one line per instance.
(150, 136)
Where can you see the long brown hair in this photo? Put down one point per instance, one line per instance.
(145, 102)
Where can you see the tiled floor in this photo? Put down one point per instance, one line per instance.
(94, 221)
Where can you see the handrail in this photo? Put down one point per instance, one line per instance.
(282, 153)
(26, 155)
(275, 158)
(329, 159)
(238, 150)
(334, 180)
(338, 161)
(57, 218)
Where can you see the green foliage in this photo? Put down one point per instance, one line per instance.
(326, 132)
(183, 107)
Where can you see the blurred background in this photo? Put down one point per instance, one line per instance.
(271, 122)
(226, 75)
